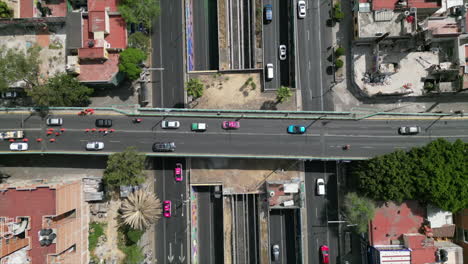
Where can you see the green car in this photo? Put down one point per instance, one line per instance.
(199, 127)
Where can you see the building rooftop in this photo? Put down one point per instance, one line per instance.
(117, 37)
(392, 4)
(374, 24)
(28, 8)
(101, 5)
(95, 72)
(391, 221)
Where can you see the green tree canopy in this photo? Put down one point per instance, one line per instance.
(5, 11)
(139, 40)
(339, 51)
(339, 63)
(194, 87)
(436, 173)
(16, 65)
(129, 62)
(125, 168)
(283, 94)
(359, 211)
(139, 11)
(61, 90)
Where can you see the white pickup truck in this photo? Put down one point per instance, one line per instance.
(12, 134)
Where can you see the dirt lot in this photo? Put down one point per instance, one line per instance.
(234, 91)
(246, 180)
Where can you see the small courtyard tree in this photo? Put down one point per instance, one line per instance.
(194, 88)
(359, 211)
(5, 11)
(18, 65)
(125, 168)
(283, 94)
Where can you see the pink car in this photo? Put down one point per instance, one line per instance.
(178, 172)
(231, 124)
(324, 252)
(167, 208)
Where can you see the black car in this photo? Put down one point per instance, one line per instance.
(103, 122)
(164, 147)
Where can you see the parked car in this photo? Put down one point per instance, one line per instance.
(301, 9)
(320, 186)
(296, 129)
(282, 52)
(95, 145)
(178, 172)
(18, 146)
(409, 130)
(324, 254)
(167, 205)
(9, 95)
(275, 252)
(268, 13)
(103, 122)
(269, 71)
(54, 121)
(231, 124)
(200, 127)
(170, 124)
(164, 147)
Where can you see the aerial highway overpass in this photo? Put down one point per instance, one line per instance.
(259, 136)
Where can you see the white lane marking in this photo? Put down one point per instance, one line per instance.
(114, 141)
(308, 35)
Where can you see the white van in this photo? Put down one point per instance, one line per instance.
(269, 71)
(320, 186)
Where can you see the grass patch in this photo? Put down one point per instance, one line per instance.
(128, 243)
(96, 230)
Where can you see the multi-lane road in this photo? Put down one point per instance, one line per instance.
(255, 137)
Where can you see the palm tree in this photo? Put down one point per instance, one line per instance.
(140, 209)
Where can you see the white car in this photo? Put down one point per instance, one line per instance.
(411, 130)
(9, 95)
(301, 9)
(170, 124)
(54, 121)
(18, 146)
(95, 145)
(320, 186)
(282, 52)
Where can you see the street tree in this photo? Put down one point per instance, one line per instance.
(139, 11)
(283, 94)
(139, 40)
(436, 173)
(339, 63)
(61, 90)
(5, 11)
(129, 62)
(359, 211)
(17, 65)
(124, 168)
(194, 88)
(339, 52)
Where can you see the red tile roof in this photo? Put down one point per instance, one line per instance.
(100, 5)
(117, 36)
(98, 21)
(99, 72)
(392, 221)
(383, 4)
(423, 255)
(58, 7)
(390, 4)
(35, 204)
(92, 53)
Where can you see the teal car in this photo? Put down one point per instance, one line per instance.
(296, 129)
(199, 127)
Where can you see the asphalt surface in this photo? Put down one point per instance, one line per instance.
(320, 210)
(168, 48)
(171, 233)
(282, 233)
(313, 40)
(210, 226)
(201, 35)
(255, 137)
(271, 42)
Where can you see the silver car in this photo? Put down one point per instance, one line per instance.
(275, 252)
(301, 9)
(95, 146)
(54, 121)
(282, 52)
(409, 130)
(170, 124)
(18, 146)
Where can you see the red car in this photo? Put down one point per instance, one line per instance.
(231, 124)
(324, 253)
(178, 172)
(167, 205)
